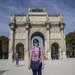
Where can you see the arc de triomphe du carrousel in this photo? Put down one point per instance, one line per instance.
(37, 22)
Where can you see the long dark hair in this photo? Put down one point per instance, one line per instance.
(36, 41)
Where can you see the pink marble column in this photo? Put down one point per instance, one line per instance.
(11, 43)
(48, 40)
(27, 37)
(63, 43)
(27, 42)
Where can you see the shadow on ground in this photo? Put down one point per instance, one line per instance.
(2, 71)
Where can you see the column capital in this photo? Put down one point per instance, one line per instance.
(48, 25)
(27, 26)
(62, 25)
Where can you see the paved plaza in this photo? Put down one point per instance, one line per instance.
(52, 67)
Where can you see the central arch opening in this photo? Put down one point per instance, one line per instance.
(40, 37)
(55, 51)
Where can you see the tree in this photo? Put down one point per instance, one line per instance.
(70, 41)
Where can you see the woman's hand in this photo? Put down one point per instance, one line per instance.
(42, 66)
(42, 57)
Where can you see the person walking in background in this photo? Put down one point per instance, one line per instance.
(36, 54)
(17, 59)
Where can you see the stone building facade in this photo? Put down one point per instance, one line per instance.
(37, 22)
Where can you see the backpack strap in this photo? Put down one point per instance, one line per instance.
(39, 52)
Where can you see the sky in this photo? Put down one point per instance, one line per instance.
(65, 7)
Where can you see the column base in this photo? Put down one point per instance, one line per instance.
(26, 56)
(49, 56)
(10, 58)
(60, 55)
(64, 55)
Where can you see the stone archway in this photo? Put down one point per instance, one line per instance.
(55, 51)
(20, 50)
(38, 34)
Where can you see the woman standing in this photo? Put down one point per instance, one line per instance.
(34, 56)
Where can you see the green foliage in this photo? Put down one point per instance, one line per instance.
(70, 41)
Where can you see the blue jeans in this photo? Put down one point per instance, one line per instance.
(17, 61)
(39, 71)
